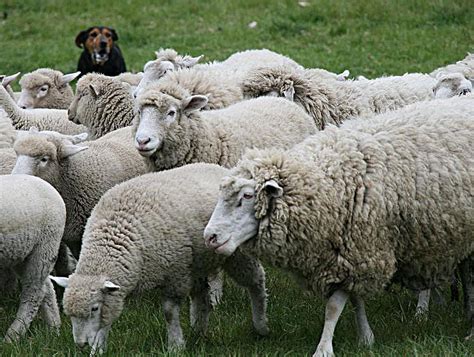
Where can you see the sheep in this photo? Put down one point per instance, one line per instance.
(102, 104)
(6, 80)
(31, 226)
(154, 251)
(220, 79)
(170, 130)
(131, 78)
(332, 102)
(464, 67)
(81, 173)
(352, 209)
(44, 119)
(450, 85)
(46, 88)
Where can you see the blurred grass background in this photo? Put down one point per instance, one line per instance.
(371, 38)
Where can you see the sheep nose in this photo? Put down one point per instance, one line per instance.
(210, 239)
(465, 91)
(81, 344)
(23, 107)
(142, 141)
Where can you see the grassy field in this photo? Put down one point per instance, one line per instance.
(368, 37)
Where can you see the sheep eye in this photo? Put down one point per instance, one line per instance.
(94, 308)
(44, 159)
(171, 113)
(43, 89)
(248, 196)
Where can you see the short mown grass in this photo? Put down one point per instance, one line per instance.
(370, 38)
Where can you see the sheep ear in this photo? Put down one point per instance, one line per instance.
(188, 61)
(79, 138)
(343, 76)
(8, 79)
(108, 287)
(273, 189)
(71, 149)
(289, 93)
(34, 130)
(66, 78)
(61, 281)
(194, 102)
(165, 67)
(95, 90)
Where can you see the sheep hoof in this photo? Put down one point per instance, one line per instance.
(324, 350)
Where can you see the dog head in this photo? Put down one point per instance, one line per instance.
(98, 41)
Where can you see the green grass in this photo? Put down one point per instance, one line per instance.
(368, 37)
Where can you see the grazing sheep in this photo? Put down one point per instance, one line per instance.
(352, 209)
(171, 131)
(46, 88)
(31, 226)
(43, 119)
(332, 102)
(220, 79)
(464, 67)
(451, 85)
(102, 104)
(80, 173)
(130, 243)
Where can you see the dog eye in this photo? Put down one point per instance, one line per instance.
(93, 34)
(107, 34)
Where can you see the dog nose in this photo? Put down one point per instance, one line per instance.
(103, 44)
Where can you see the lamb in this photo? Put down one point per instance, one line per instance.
(332, 102)
(450, 85)
(44, 119)
(464, 67)
(46, 88)
(171, 132)
(220, 79)
(31, 226)
(352, 209)
(102, 104)
(154, 252)
(81, 173)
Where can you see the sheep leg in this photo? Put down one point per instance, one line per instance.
(216, 285)
(247, 272)
(334, 308)
(200, 306)
(49, 307)
(366, 336)
(423, 303)
(175, 333)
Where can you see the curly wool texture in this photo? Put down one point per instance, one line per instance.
(43, 119)
(372, 202)
(465, 67)
(331, 102)
(7, 132)
(84, 177)
(221, 136)
(131, 78)
(31, 226)
(107, 107)
(59, 94)
(146, 233)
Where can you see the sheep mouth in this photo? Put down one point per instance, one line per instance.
(217, 246)
(146, 152)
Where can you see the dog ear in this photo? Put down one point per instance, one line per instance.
(82, 37)
(114, 34)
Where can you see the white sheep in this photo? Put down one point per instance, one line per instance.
(102, 104)
(332, 102)
(171, 130)
(46, 88)
(450, 85)
(352, 209)
(220, 79)
(44, 119)
(130, 243)
(31, 225)
(81, 173)
(464, 67)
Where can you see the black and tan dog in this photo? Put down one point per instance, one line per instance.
(100, 54)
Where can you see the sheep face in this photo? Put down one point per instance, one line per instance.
(85, 301)
(233, 221)
(159, 119)
(38, 90)
(451, 85)
(85, 103)
(39, 153)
